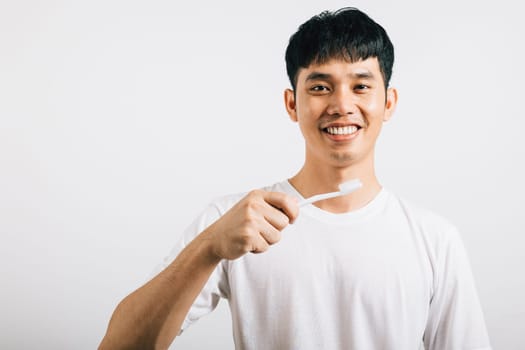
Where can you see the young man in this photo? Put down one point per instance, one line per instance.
(367, 270)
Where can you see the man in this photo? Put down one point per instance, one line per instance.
(366, 270)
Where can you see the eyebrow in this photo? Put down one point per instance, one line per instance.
(318, 76)
(364, 74)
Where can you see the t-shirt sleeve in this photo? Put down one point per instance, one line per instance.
(455, 319)
(217, 285)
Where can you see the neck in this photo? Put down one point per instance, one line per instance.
(312, 180)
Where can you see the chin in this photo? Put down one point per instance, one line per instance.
(345, 159)
(343, 156)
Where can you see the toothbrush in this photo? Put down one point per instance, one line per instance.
(344, 188)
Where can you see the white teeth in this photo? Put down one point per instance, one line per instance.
(343, 130)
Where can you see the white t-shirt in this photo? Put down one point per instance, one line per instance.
(387, 276)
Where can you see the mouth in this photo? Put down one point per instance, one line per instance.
(341, 130)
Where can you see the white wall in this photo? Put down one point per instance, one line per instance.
(120, 120)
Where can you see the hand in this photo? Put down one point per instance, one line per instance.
(252, 225)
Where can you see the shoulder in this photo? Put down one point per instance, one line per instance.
(437, 236)
(222, 204)
(216, 208)
(431, 225)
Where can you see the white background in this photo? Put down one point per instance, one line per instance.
(121, 120)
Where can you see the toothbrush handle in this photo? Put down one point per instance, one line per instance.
(319, 197)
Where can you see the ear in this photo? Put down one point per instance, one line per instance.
(391, 103)
(289, 103)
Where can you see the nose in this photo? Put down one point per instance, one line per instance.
(342, 102)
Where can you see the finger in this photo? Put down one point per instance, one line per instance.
(270, 234)
(276, 217)
(260, 245)
(287, 204)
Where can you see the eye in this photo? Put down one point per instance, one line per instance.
(361, 87)
(319, 89)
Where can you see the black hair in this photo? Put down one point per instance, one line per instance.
(347, 34)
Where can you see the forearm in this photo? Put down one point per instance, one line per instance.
(151, 316)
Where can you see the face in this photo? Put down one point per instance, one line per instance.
(340, 108)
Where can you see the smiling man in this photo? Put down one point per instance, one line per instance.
(340, 105)
(367, 270)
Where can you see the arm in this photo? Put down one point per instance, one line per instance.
(151, 316)
(455, 318)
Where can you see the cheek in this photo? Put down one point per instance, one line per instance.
(307, 126)
(375, 110)
(372, 104)
(307, 113)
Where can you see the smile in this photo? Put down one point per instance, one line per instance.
(341, 130)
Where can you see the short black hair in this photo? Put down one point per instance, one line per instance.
(347, 33)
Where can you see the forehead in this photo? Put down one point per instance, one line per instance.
(341, 69)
